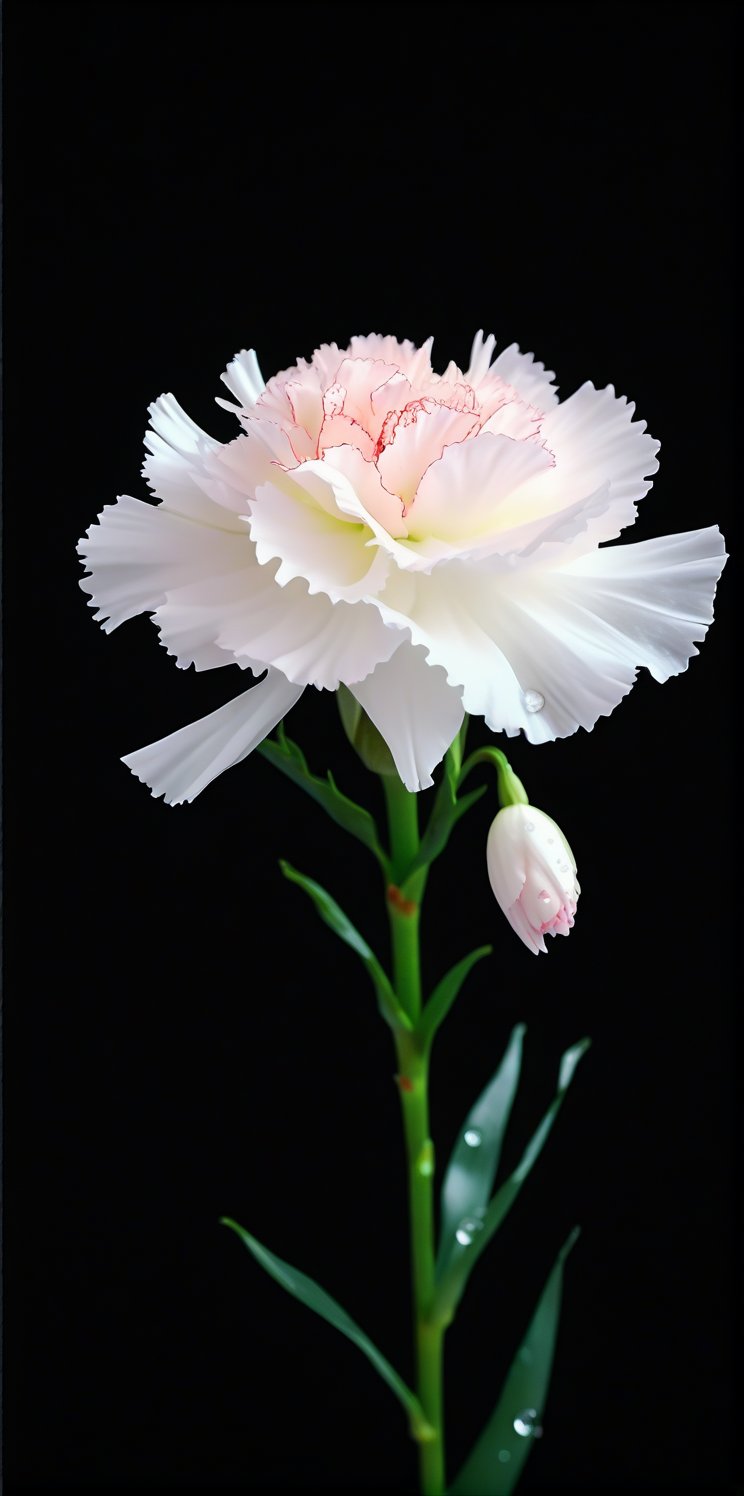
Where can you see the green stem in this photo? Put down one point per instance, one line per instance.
(404, 910)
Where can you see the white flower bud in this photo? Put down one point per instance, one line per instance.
(532, 873)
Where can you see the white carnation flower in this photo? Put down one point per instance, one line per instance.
(431, 541)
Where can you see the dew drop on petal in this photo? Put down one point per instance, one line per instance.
(524, 1423)
(529, 825)
(467, 1229)
(473, 1137)
(533, 701)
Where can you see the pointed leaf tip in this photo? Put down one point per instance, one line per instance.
(515, 1421)
(311, 1294)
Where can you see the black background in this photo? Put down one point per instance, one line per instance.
(184, 1038)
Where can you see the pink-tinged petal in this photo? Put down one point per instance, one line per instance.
(244, 380)
(416, 711)
(305, 397)
(595, 441)
(293, 405)
(183, 764)
(325, 362)
(138, 552)
(511, 416)
(359, 379)
(295, 520)
(462, 497)
(367, 484)
(412, 361)
(418, 438)
(530, 379)
(339, 430)
(394, 394)
(481, 354)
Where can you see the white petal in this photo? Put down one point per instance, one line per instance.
(441, 612)
(417, 713)
(530, 379)
(244, 379)
(505, 853)
(138, 552)
(461, 497)
(295, 519)
(577, 635)
(481, 354)
(183, 764)
(595, 441)
(573, 635)
(517, 917)
(183, 462)
(248, 619)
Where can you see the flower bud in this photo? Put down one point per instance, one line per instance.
(532, 872)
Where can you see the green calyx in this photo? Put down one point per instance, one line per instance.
(510, 788)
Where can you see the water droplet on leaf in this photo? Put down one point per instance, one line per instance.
(534, 701)
(504, 1456)
(467, 1229)
(524, 1423)
(473, 1137)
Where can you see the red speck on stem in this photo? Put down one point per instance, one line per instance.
(398, 902)
(404, 1082)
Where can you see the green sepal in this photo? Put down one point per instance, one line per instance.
(444, 995)
(365, 738)
(341, 925)
(470, 1173)
(445, 813)
(497, 1459)
(285, 755)
(316, 1298)
(458, 1259)
(511, 791)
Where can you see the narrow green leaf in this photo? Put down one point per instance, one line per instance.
(468, 1181)
(459, 1256)
(334, 917)
(496, 1461)
(310, 1293)
(446, 811)
(286, 756)
(445, 992)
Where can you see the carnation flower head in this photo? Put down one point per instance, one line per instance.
(435, 542)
